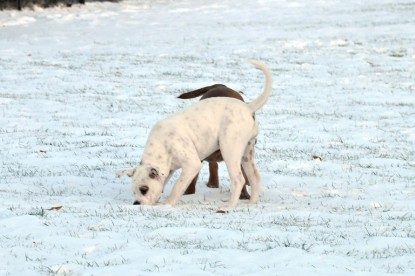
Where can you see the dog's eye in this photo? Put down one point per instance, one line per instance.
(144, 190)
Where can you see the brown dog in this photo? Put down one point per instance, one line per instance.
(216, 90)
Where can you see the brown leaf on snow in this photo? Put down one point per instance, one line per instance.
(221, 212)
(315, 157)
(57, 208)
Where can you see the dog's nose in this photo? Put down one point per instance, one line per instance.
(137, 202)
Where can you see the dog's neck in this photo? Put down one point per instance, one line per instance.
(156, 156)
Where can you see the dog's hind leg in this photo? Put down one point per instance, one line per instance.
(251, 171)
(244, 192)
(213, 175)
(237, 181)
(232, 158)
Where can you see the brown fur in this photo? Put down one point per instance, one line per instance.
(216, 90)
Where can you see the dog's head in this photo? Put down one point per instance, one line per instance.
(147, 184)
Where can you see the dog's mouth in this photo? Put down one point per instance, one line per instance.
(145, 202)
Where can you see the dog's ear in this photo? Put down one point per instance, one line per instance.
(128, 172)
(153, 173)
(131, 172)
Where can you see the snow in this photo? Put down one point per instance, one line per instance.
(81, 87)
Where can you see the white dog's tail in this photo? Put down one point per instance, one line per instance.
(262, 99)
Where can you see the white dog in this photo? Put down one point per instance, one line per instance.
(185, 138)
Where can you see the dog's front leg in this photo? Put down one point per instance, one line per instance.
(188, 173)
(168, 178)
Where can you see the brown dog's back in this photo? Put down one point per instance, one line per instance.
(216, 90)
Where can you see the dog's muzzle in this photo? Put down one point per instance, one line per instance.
(137, 202)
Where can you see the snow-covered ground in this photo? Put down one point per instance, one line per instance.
(81, 87)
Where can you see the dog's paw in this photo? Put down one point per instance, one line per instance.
(253, 201)
(244, 196)
(212, 184)
(164, 203)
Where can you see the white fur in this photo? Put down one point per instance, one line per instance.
(185, 138)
